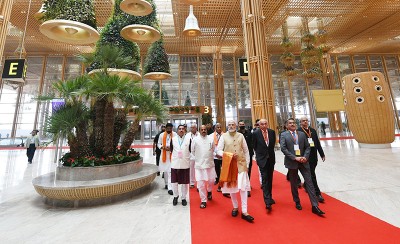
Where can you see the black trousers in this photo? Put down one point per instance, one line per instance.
(30, 152)
(158, 154)
(250, 165)
(218, 165)
(313, 165)
(267, 175)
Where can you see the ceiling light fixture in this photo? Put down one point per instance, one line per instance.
(191, 25)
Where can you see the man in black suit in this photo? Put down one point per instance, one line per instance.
(248, 136)
(315, 146)
(295, 147)
(263, 144)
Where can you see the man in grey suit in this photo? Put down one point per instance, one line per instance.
(295, 147)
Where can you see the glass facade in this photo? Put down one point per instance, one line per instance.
(192, 83)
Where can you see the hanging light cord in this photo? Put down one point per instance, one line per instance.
(26, 25)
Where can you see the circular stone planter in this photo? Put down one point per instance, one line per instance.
(88, 186)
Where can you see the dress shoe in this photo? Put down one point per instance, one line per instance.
(166, 187)
(235, 212)
(191, 186)
(248, 194)
(317, 211)
(184, 202)
(175, 201)
(209, 195)
(170, 192)
(203, 205)
(226, 195)
(158, 173)
(269, 207)
(298, 206)
(162, 175)
(272, 201)
(248, 218)
(219, 189)
(320, 198)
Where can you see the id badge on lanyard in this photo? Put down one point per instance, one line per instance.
(311, 142)
(297, 150)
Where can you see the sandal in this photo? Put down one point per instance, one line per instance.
(203, 205)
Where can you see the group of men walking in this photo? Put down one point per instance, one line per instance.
(225, 159)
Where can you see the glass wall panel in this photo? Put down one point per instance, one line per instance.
(53, 73)
(376, 63)
(73, 68)
(8, 101)
(345, 67)
(360, 63)
(229, 88)
(335, 74)
(28, 106)
(394, 79)
(189, 81)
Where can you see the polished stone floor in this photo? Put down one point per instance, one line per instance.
(368, 179)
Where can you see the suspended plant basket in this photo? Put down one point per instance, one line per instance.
(133, 75)
(310, 51)
(322, 36)
(324, 48)
(308, 38)
(136, 7)
(156, 65)
(287, 58)
(140, 33)
(290, 71)
(312, 73)
(70, 21)
(286, 45)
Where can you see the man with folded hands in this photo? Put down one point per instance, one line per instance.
(203, 154)
(233, 149)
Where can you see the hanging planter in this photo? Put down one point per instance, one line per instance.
(136, 7)
(290, 71)
(322, 36)
(70, 21)
(156, 66)
(308, 38)
(287, 58)
(325, 48)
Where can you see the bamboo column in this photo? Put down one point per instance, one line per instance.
(260, 78)
(219, 89)
(328, 83)
(5, 12)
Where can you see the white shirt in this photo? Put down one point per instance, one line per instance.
(203, 151)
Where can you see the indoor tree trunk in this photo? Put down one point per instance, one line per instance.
(82, 138)
(130, 135)
(98, 126)
(73, 146)
(109, 114)
(119, 125)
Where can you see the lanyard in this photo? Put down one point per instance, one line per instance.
(308, 134)
(181, 142)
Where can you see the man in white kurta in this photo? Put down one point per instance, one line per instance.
(180, 168)
(192, 134)
(235, 143)
(164, 143)
(203, 153)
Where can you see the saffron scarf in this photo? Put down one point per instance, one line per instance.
(164, 144)
(229, 171)
(216, 140)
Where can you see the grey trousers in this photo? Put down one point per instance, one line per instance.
(306, 173)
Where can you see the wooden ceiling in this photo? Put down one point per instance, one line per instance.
(354, 26)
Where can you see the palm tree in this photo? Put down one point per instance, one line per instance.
(146, 105)
(71, 120)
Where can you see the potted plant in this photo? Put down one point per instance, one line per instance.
(156, 65)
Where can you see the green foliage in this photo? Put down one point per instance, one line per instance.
(75, 10)
(90, 161)
(188, 102)
(156, 59)
(156, 92)
(206, 118)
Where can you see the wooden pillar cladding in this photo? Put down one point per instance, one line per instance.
(219, 90)
(5, 12)
(328, 83)
(260, 78)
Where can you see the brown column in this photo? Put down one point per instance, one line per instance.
(219, 90)
(260, 79)
(5, 13)
(328, 83)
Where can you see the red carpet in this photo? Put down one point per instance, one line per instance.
(285, 224)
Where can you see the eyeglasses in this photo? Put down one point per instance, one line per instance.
(304, 120)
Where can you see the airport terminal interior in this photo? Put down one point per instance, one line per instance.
(336, 63)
